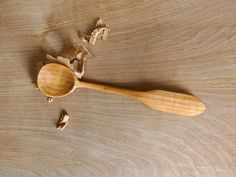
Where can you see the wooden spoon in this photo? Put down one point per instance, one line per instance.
(55, 80)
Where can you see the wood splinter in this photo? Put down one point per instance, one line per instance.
(101, 31)
(49, 99)
(63, 121)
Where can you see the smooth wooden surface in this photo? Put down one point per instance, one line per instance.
(56, 81)
(166, 101)
(180, 45)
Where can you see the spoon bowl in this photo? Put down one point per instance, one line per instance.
(55, 80)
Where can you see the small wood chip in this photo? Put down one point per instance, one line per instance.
(49, 99)
(63, 121)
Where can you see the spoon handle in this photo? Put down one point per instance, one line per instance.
(171, 102)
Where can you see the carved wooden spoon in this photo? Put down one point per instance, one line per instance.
(55, 80)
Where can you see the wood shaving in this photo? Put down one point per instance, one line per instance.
(76, 62)
(63, 121)
(84, 37)
(49, 99)
(101, 31)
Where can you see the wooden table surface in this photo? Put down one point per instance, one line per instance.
(179, 45)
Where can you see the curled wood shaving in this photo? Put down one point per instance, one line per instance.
(79, 62)
(84, 37)
(101, 31)
(76, 62)
(63, 121)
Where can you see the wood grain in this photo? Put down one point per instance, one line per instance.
(186, 46)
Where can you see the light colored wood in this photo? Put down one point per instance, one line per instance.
(177, 45)
(57, 81)
(100, 31)
(171, 102)
(63, 121)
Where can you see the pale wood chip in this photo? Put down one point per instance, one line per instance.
(105, 34)
(101, 31)
(79, 62)
(78, 68)
(76, 64)
(63, 121)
